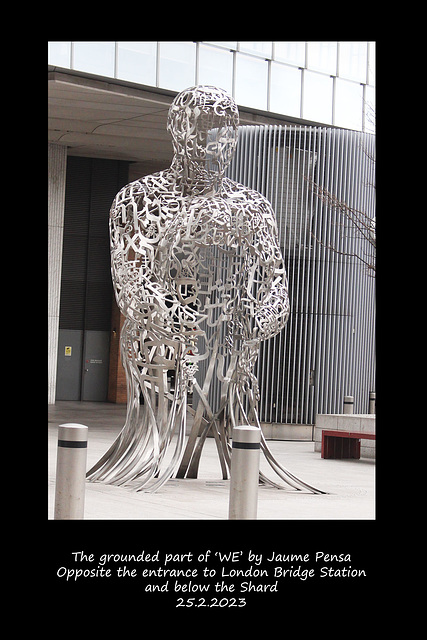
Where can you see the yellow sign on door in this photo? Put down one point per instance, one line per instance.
(68, 351)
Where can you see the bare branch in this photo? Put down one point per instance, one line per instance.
(360, 222)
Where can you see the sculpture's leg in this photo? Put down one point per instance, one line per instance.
(140, 447)
(220, 422)
(283, 473)
(213, 424)
(144, 452)
(192, 439)
(124, 440)
(164, 417)
(178, 413)
(191, 442)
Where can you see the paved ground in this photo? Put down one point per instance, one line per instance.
(350, 483)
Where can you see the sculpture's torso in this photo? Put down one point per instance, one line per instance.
(171, 240)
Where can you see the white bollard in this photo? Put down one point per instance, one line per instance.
(372, 402)
(348, 404)
(71, 472)
(244, 473)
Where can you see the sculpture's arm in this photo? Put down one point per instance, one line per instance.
(273, 314)
(273, 310)
(140, 294)
(140, 251)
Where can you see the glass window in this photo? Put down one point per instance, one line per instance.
(263, 49)
(317, 97)
(251, 81)
(353, 58)
(290, 52)
(226, 44)
(216, 67)
(285, 89)
(348, 104)
(177, 65)
(371, 63)
(322, 56)
(136, 62)
(59, 54)
(94, 57)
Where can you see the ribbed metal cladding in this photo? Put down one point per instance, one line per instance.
(327, 349)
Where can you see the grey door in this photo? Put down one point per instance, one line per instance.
(95, 366)
(69, 371)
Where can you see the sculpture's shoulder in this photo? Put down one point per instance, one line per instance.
(236, 190)
(249, 199)
(143, 191)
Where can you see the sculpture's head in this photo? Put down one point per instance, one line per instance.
(203, 123)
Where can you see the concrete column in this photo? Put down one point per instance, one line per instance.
(57, 163)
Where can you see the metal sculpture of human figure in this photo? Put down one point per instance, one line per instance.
(199, 276)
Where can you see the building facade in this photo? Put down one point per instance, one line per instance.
(307, 118)
(332, 83)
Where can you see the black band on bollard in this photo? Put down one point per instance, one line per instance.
(72, 444)
(245, 445)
